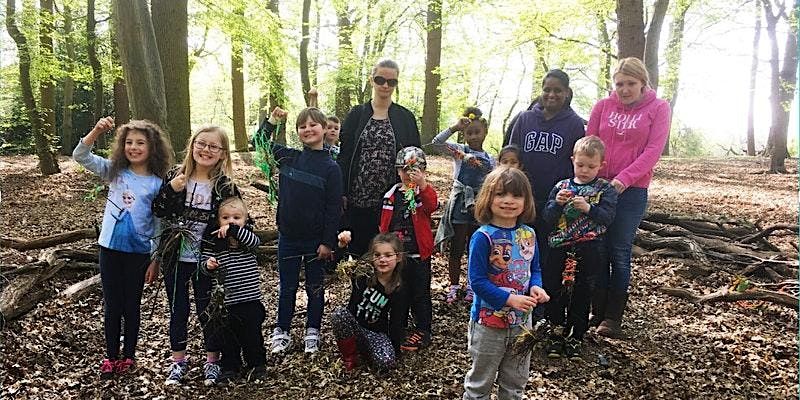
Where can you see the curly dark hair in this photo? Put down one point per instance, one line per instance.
(159, 149)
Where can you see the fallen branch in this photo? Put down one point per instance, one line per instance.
(48, 241)
(727, 295)
(793, 228)
(81, 288)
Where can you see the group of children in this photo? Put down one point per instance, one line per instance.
(206, 239)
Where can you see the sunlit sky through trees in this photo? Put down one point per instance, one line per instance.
(483, 61)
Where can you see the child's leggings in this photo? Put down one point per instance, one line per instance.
(374, 346)
(177, 280)
(122, 278)
(417, 280)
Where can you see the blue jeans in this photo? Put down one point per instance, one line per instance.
(292, 255)
(631, 205)
(177, 280)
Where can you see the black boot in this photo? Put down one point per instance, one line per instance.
(599, 300)
(612, 324)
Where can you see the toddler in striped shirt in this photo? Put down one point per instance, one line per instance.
(229, 255)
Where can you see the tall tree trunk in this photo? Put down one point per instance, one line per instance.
(277, 92)
(97, 69)
(47, 87)
(653, 39)
(776, 143)
(674, 55)
(604, 74)
(344, 86)
(48, 163)
(170, 24)
(68, 137)
(141, 63)
(317, 29)
(122, 107)
(630, 29)
(751, 131)
(788, 83)
(430, 109)
(237, 87)
(305, 81)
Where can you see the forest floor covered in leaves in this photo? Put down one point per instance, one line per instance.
(674, 349)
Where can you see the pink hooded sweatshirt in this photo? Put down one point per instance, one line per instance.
(634, 136)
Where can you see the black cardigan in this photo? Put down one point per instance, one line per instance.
(404, 125)
(170, 206)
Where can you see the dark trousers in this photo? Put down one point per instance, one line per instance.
(293, 255)
(177, 280)
(364, 224)
(417, 281)
(122, 278)
(542, 229)
(242, 336)
(591, 258)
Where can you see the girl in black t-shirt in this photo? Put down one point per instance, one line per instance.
(371, 324)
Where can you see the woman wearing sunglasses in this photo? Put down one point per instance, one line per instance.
(372, 134)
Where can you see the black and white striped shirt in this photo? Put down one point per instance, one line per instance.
(238, 267)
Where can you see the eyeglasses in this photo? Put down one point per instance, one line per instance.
(382, 256)
(379, 80)
(213, 148)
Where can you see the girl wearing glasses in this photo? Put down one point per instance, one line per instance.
(188, 202)
(371, 136)
(371, 326)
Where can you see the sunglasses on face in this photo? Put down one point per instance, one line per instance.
(379, 80)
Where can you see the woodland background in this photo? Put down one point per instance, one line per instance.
(713, 310)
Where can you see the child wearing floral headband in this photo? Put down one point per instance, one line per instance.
(471, 164)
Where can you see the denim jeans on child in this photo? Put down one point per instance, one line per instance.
(631, 205)
(177, 280)
(492, 358)
(292, 255)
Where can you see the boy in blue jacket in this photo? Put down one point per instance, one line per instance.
(309, 208)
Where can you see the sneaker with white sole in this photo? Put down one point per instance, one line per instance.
(211, 371)
(311, 340)
(281, 341)
(177, 371)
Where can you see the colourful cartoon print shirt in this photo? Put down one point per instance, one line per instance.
(128, 222)
(502, 261)
(573, 226)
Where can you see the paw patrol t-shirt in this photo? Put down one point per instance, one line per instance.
(502, 261)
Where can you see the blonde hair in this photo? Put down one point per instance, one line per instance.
(590, 146)
(234, 202)
(634, 67)
(224, 166)
(504, 180)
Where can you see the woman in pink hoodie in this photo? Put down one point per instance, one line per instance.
(634, 125)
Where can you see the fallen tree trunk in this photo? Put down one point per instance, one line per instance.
(726, 294)
(25, 291)
(48, 241)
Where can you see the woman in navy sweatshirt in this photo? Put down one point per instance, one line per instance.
(545, 135)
